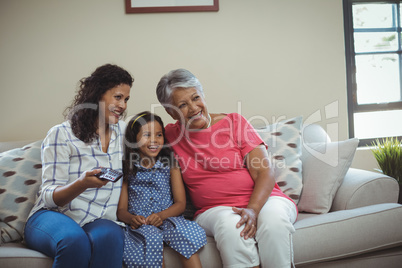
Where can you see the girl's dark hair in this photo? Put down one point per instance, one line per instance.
(84, 110)
(131, 150)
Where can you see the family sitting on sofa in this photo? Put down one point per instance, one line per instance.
(237, 185)
(220, 160)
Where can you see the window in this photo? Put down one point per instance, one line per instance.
(374, 68)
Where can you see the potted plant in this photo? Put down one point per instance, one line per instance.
(388, 153)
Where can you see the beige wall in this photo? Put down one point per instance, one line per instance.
(276, 59)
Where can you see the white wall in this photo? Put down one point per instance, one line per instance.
(271, 58)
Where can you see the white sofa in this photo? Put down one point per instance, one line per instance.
(362, 229)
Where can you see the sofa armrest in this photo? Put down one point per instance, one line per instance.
(363, 188)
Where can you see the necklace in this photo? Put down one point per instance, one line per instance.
(209, 121)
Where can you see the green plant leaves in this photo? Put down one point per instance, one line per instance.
(388, 153)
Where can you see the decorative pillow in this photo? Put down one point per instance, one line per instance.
(284, 148)
(20, 178)
(324, 167)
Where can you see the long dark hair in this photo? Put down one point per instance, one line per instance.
(84, 110)
(131, 150)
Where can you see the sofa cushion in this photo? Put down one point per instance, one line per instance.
(14, 255)
(209, 256)
(20, 178)
(324, 167)
(347, 233)
(284, 148)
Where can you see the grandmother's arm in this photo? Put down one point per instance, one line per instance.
(259, 166)
(261, 171)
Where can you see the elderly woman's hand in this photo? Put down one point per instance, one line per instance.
(249, 219)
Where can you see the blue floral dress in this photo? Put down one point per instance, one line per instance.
(150, 192)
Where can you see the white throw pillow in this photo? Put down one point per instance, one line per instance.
(20, 178)
(284, 148)
(324, 167)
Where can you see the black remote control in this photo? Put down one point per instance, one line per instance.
(109, 174)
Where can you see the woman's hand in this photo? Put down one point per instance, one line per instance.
(89, 180)
(259, 166)
(249, 219)
(63, 195)
(136, 221)
(154, 219)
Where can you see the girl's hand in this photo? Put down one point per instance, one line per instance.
(89, 180)
(249, 219)
(154, 220)
(136, 221)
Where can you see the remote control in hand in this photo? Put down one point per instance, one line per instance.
(108, 174)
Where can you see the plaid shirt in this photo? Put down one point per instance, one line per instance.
(65, 158)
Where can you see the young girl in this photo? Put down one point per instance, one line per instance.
(153, 199)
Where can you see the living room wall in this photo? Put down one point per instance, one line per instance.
(273, 59)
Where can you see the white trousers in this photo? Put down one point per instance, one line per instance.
(272, 245)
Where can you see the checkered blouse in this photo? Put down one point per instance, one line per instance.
(64, 158)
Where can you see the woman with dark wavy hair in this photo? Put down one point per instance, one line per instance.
(74, 218)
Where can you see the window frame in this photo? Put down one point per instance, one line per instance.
(353, 106)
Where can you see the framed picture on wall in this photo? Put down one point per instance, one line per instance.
(154, 6)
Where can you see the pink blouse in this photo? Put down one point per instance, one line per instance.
(212, 162)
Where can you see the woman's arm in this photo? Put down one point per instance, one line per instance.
(259, 166)
(57, 189)
(63, 195)
(179, 199)
(260, 169)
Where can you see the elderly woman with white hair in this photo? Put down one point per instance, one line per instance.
(228, 175)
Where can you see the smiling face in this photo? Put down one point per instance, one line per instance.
(150, 141)
(113, 103)
(191, 108)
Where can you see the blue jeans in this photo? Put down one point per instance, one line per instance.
(96, 244)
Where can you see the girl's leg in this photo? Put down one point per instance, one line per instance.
(107, 241)
(59, 237)
(220, 222)
(192, 262)
(274, 232)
